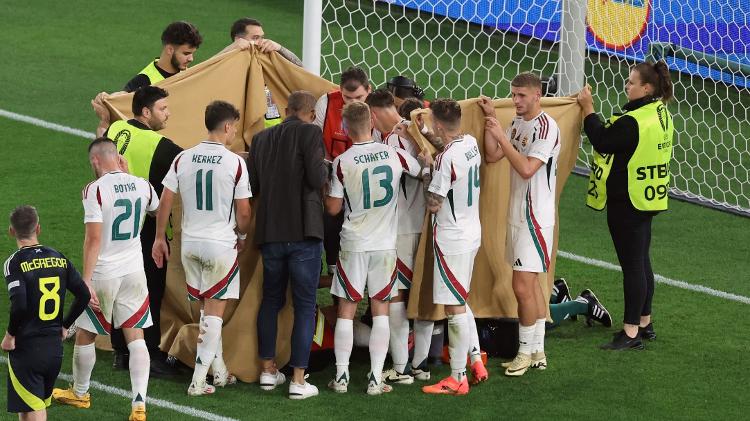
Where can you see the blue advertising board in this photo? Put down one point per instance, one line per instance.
(709, 38)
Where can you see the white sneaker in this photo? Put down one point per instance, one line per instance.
(302, 391)
(539, 360)
(224, 379)
(199, 389)
(374, 389)
(393, 376)
(377, 388)
(341, 384)
(519, 365)
(421, 373)
(269, 381)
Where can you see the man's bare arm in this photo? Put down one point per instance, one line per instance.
(433, 201)
(435, 141)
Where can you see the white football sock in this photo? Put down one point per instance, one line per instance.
(84, 358)
(343, 339)
(525, 338)
(458, 344)
(399, 328)
(140, 364)
(539, 329)
(207, 342)
(422, 340)
(378, 346)
(217, 365)
(474, 350)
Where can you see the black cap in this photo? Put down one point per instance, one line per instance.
(401, 82)
(403, 87)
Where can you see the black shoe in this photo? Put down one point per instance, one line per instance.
(120, 360)
(178, 365)
(561, 290)
(622, 342)
(597, 312)
(647, 332)
(562, 294)
(159, 368)
(434, 361)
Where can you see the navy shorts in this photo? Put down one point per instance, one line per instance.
(33, 368)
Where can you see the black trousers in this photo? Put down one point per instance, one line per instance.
(331, 236)
(156, 281)
(631, 234)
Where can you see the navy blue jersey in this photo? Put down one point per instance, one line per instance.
(37, 278)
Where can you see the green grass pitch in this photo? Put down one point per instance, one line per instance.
(58, 55)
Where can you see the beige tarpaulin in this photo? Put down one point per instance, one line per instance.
(491, 293)
(238, 77)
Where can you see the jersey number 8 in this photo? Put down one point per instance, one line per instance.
(49, 294)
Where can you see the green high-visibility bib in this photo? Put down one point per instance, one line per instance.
(648, 168)
(152, 73)
(137, 146)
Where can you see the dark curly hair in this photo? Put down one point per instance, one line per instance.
(179, 33)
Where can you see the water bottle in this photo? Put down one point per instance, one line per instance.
(272, 111)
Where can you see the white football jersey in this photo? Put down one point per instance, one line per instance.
(367, 177)
(119, 201)
(532, 201)
(209, 177)
(411, 207)
(456, 177)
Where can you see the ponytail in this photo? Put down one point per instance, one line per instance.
(665, 81)
(656, 74)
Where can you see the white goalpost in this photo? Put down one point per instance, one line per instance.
(461, 48)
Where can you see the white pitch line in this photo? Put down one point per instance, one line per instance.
(46, 124)
(161, 403)
(659, 278)
(567, 255)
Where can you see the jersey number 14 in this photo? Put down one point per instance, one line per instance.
(473, 184)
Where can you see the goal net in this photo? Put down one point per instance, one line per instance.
(463, 48)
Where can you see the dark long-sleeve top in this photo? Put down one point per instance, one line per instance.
(620, 139)
(37, 278)
(287, 173)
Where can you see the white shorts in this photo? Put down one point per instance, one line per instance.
(529, 249)
(123, 302)
(374, 269)
(452, 277)
(211, 270)
(406, 250)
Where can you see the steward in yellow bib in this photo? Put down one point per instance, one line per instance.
(179, 41)
(646, 170)
(149, 155)
(630, 175)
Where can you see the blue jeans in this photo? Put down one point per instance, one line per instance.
(298, 262)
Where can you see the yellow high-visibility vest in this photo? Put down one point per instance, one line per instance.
(648, 168)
